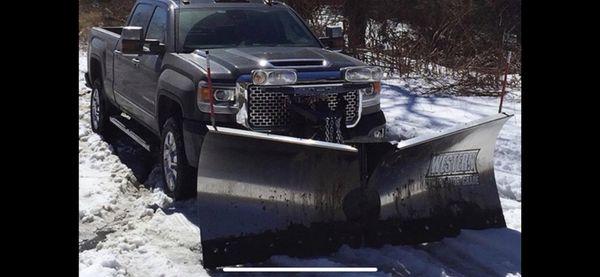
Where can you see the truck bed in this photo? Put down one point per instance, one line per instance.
(115, 31)
(103, 42)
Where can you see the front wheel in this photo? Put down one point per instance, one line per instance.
(178, 175)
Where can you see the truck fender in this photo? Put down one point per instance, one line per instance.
(98, 51)
(180, 89)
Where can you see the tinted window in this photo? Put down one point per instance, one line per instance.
(158, 25)
(141, 15)
(235, 27)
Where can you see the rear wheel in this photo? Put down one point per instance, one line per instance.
(100, 111)
(178, 175)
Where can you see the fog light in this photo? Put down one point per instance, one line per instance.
(359, 74)
(259, 77)
(274, 77)
(377, 73)
(363, 73)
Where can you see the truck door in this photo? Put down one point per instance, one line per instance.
(126, 74)
(150, 64)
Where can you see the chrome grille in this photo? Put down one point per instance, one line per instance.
(269, 109)
(351, 108)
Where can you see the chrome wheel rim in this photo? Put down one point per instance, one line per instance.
(170, 160)
(95, 108)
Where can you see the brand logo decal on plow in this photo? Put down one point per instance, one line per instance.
(458, 168)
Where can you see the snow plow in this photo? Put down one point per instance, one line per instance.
(263, 194)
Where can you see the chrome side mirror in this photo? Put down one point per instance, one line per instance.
(131, 40)
(334, 38)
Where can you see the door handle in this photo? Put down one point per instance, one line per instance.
(136, 62)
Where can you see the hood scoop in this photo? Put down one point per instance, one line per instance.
(298, 63)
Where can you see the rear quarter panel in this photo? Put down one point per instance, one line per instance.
(101, 48)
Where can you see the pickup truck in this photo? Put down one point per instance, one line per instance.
(178, 66)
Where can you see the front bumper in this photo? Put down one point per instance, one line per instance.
(371, 127)
(194, 131)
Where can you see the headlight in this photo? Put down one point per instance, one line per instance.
(373, 90)
(223, 96)
(371, 95)
(274, 77)
(363, 74)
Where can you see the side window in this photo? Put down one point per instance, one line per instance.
(158, 25)
(141, 15)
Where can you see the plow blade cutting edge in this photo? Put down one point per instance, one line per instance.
(261, 195)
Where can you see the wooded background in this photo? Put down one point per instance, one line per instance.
(460, 46)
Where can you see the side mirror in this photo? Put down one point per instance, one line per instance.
(131, 40)
(334, 38)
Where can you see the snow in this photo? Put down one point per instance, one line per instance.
(129, 227)
(410, 112)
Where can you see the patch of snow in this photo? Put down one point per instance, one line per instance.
(512, 213)
(140, 238)
(410, 113)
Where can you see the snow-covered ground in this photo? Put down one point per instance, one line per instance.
(129, 227)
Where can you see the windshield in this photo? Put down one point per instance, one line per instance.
(237, 27)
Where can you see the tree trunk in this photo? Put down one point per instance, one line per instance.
(356, 15)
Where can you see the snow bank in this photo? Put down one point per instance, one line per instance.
(126, 229)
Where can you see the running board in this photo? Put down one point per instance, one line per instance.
(130, 133)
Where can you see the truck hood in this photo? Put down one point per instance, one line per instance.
(230, 63)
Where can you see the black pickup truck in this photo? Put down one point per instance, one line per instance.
(268, 73)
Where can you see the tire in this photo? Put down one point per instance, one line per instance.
(100, 111)
(179, 177)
